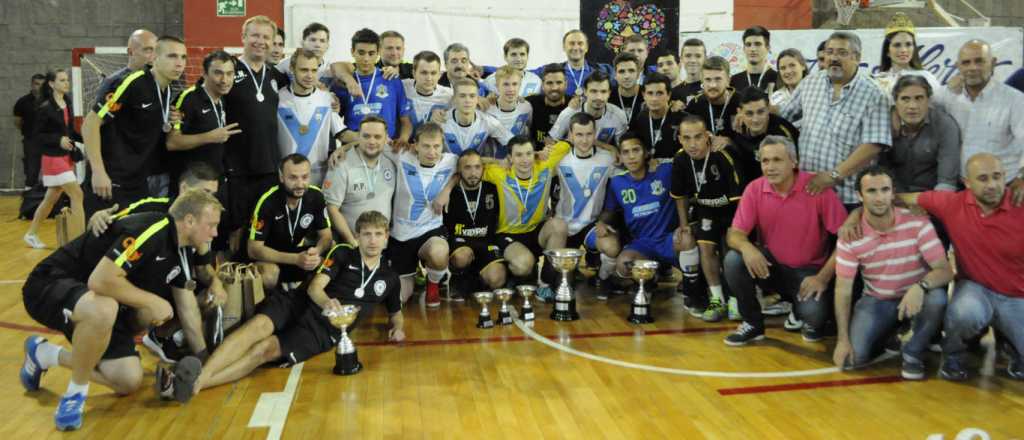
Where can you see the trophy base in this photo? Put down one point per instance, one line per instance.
(565, 311)
(641, 314)
(347, 364)
(484, 322)
(528, 314)
(505, 318)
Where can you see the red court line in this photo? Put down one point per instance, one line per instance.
(27, 328)
(808, 385)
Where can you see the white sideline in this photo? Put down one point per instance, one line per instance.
(271, 410)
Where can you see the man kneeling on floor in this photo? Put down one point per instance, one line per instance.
(291, 328)
(102, 291)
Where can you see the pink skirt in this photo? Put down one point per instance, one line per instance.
(58, 170)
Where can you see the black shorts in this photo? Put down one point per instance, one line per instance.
(710, 226)
(404, 255)
(50, 297)
(301, 332)
(529, 239)
(581, 238)
(242, 194)
(485, 252)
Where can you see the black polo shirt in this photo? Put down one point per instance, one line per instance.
(543, 119)
(634, 103)
(723, 113)
(161, 205)
(404, 69)
(766, 80)
(254, 151)
(144, 245)
(662, 141)
(746, 147)
(685, 91)
(481, 226)
(271, 218)
(721, 187)
(344, 265)
(132, 134)
(199, 114)
(25, 109)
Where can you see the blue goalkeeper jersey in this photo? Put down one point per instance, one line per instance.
(649, 210)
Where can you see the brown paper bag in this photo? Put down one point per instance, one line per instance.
(252, 286)
(62, 227)
(233, 284)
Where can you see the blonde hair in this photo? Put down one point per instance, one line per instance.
(260, 20)
(507, 71)
(193, 201)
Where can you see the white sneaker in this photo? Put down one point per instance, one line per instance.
(33, 241)
(777, 309)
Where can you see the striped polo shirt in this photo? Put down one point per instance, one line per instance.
(891, 261)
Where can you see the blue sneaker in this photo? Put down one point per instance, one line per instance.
(69, 412)
(31, 370)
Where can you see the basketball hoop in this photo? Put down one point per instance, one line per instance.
(845, 10)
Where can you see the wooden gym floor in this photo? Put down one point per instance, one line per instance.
(599, 377)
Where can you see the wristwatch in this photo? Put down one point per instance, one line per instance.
(834, 174)
(924, 285)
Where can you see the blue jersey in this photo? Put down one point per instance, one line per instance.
(381, 97)
(647, 205)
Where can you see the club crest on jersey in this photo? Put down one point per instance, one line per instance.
(306, 220)
(379, 287)
(382, 91)
(239, 76)
(174, 273)
(387, 175)
(130, 253)
(657, 188)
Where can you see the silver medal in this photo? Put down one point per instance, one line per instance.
(359, 292)
(190, 285)
(586, 192)
(259, 96)
(167, 127)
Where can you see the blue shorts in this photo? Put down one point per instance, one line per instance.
(660, 249)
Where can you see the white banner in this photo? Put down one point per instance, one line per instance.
(939, 46)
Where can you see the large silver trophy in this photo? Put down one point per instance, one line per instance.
(640, 311)
(503, 295)
(484, 321)
(564, 260)
(526, 291)
(346, 359)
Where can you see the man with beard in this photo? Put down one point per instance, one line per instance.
(846, 119)
(627, 94)
(124, 134)
(458, 66)
(716, 104)
(905, 276)
(752, 123)
(426, 96)
(290, 227)
(306, 124)
(547, 105)
(611, 120)
(471, 218)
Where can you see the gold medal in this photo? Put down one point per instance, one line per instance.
(303, 129)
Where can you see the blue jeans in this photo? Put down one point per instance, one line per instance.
(875, 319)
(783, 280)
(973, 308)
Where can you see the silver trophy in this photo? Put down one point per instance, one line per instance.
(503, 295)
(640, 311)
(484, 298)
(346, 359)
(564, 260)
(527, 291)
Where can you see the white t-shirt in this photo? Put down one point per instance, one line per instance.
(583, 181)
(355, 188)
(610, 126)
(415, 190)
(460, 138)
(531, 84)
(423, 106)
(305, 125)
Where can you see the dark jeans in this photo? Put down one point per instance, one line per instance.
(783, 280)
(973, 308)
(875, 319)
(32, 162)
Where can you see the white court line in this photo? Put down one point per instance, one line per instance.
(272, 409)
(677, 371)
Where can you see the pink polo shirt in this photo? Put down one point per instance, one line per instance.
(989, 248)
(794, 227)
(891, 261)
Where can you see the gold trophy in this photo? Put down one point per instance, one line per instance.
(564, 260)
(484, 298)
(640, 311)
(346, 359)
(527, 291)
(503, 295)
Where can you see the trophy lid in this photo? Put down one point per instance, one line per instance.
(564, 253)
(483, 297)
(503, 294)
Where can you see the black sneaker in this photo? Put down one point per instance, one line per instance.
(164, 348)
(953, 370)
(811, 334)
(1015, 369)
(744, 334)
(913, 369)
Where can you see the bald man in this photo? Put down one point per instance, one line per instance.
(141, 51)
(990, 113)
(985, 228)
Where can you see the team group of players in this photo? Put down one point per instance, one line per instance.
(341, 181)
